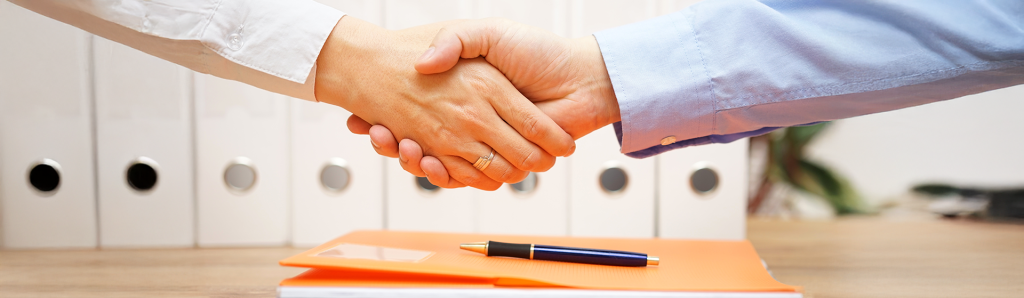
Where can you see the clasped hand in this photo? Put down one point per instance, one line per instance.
(523, 91)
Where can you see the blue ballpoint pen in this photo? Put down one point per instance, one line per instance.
(561, 254)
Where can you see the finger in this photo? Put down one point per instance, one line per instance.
(502, 171)
(469, 39)
(437, 174)
(462, 171)
(383, 141)
(357, 125)
(532, 123)
(409, 155)
(495, 132)
(507, 142)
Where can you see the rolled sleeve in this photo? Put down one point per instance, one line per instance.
(281, 38)
(722, 70)
(660, 80)
(270, 44)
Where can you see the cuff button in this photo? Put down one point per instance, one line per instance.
(668, 140)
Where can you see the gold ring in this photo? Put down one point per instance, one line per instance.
(483, 161)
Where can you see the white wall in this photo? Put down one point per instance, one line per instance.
(974, 140)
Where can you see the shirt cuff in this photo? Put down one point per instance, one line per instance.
(660, 80)
(280, 38)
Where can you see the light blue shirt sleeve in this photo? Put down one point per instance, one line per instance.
(722, 70)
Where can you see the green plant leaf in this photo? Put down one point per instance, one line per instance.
(936, 189)
(802, 135)
(831, 187)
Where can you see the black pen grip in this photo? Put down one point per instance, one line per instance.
(502, 249)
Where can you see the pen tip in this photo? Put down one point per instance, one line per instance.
(479, 247)
(653, 260)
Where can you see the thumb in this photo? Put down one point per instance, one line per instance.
(469, 39)
(357, 125)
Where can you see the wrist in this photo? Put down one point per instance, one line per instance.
(353, 41)
(594, 79)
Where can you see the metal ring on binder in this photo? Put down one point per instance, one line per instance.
(240, 175)
(525, 187)
(335, 176)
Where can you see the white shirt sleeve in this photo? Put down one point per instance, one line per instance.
(270, 44)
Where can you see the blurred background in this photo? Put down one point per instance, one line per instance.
(105, 146)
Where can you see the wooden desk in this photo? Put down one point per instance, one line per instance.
(846, 258)
(872, 257)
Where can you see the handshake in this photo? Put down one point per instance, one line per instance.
(518, 97)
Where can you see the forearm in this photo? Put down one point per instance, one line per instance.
(270, 44)
(722, 70)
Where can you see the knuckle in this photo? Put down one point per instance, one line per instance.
(530, 161)
(470, 178)
(477, 82)
(530, 127)
(508, 174)
(490, 187)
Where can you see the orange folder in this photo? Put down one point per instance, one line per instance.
(422, 259)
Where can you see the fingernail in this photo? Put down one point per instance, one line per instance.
(571, 150)
(372, 143)
(427, 54)
(402, 157)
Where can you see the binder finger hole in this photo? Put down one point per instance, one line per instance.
(704, 180)
(424, 184)
(44, 176)
(141, 175)
(613, 179)
(335, 176)
(240, 175)
(527, 185)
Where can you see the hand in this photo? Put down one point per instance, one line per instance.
(566, 78)
(456, 116)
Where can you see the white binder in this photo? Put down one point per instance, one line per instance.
(241, 164)
(597, 210)
(535, 206)
(367, 10)
(337, 179)
(144, 148)
(702, 192)
(47, 191)
(551, 15)
(539, 204)
(410, 203)
(413, 204)
(610, 194)
(587, 17)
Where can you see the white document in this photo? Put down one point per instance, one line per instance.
(337, 179)
(702, 192)
(610, 194)
(47, 191)
(242, 170)
(344, 292)
(144, 148)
